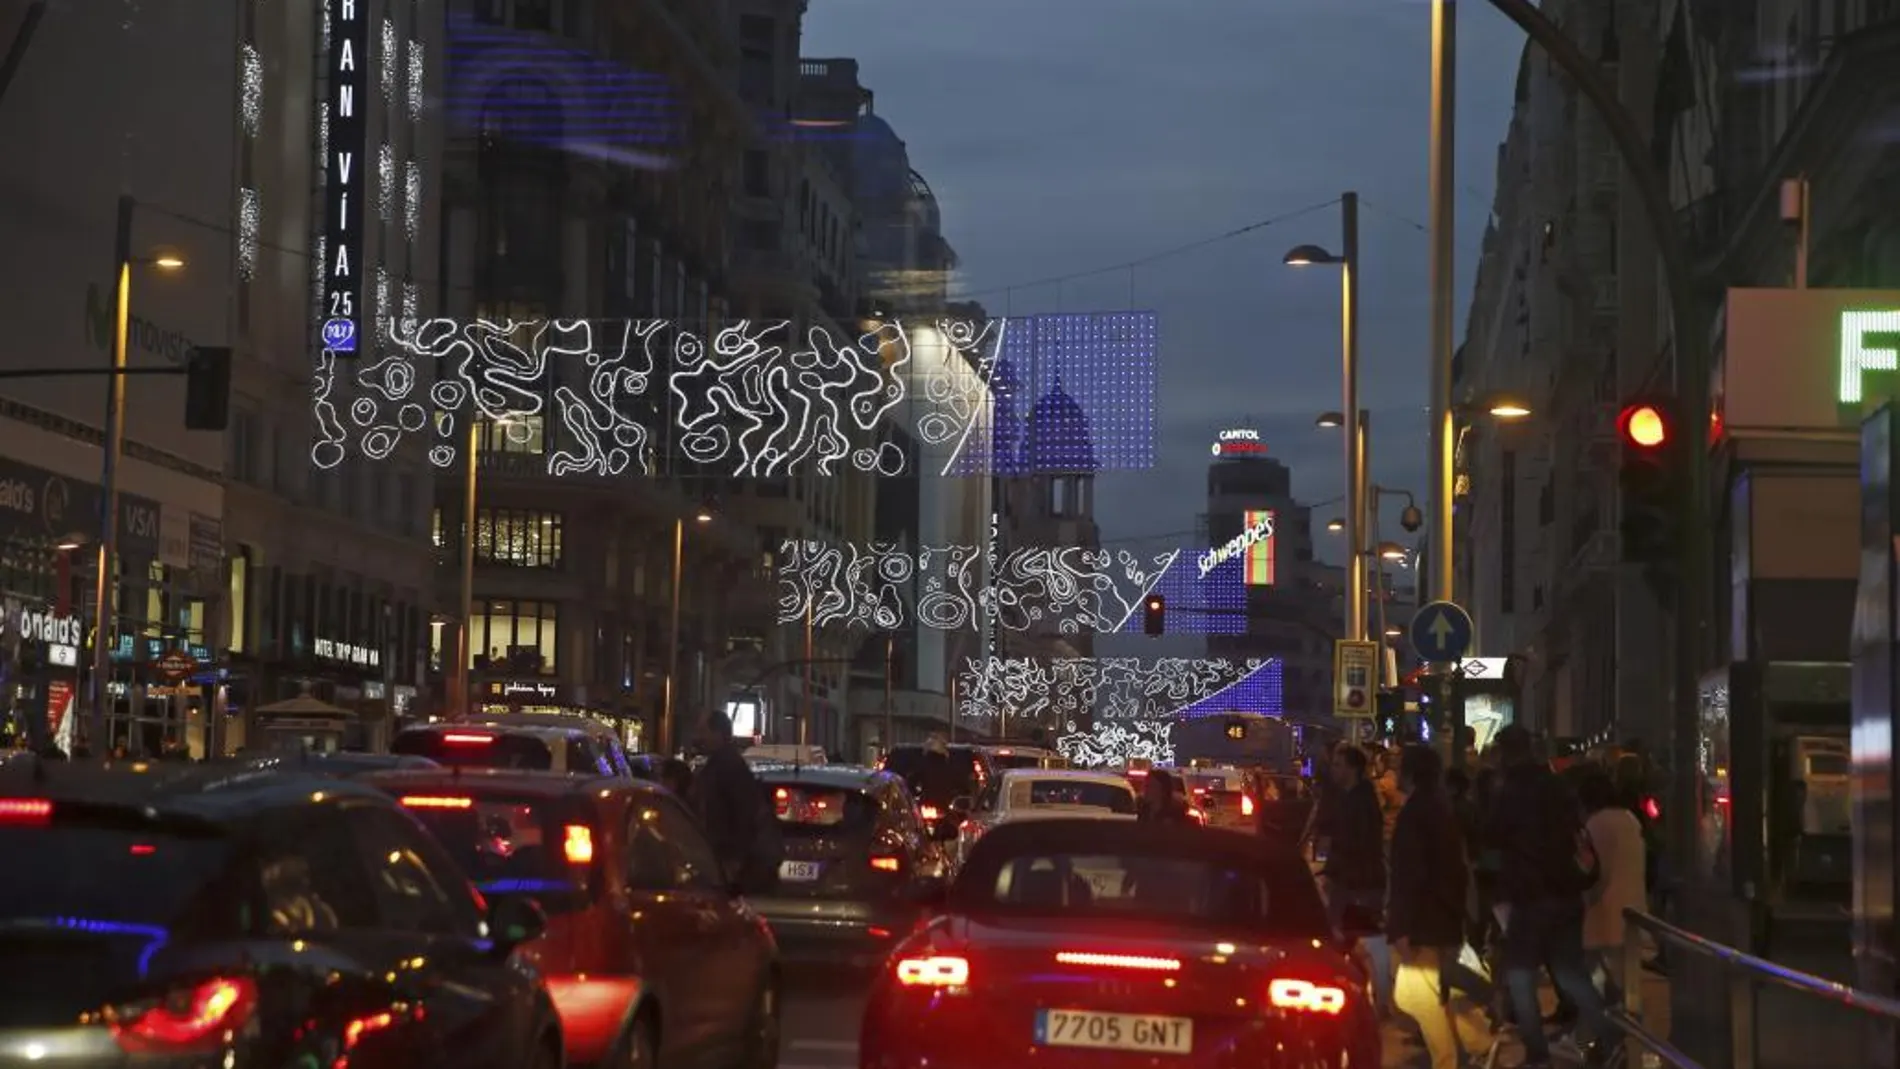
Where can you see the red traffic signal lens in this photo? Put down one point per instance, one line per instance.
(1644, 426)
(1154, 604)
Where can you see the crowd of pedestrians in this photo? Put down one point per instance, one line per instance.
(1466, 892)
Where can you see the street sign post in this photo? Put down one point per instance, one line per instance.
(1441, 632)
(1355, 679)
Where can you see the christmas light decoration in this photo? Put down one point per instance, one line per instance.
(386, 62)
(412, 202)
(250, 221)
(531, 90)
(1106, 711)
(418, 72)
(251, 89)
(1066, 590)
(387, 183)
(1210, 603)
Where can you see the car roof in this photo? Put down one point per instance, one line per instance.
(1079, 835)
(1081, 775)
(845, 777)
(509, 780)
(560, 721)
(226, 794)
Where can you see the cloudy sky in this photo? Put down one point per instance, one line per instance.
(1063, 136)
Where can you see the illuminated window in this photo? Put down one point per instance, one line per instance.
(519, 637)
(516, 434)
(518, 538)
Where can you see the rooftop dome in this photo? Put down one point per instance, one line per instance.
(1059, 439)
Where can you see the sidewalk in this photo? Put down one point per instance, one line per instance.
(1404, 1051)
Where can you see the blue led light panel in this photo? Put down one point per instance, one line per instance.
(1215, 605)
(1072, 393)
(1260, 691)
(528, 89)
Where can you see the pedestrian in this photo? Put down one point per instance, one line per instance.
(1545, 866)
(740, 826)
(1160, 802)
(1386, 781)
(1425, 913)
(1617, 837)
(1353, 876)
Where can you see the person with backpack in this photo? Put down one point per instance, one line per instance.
(1545, 866)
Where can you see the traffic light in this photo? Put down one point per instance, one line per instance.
(1154, 615)
(208, 390)
(1651, 481)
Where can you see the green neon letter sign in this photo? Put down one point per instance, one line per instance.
(1859, 355)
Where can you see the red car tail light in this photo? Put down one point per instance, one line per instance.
(887, 864)
(1119, 961)
(1246, 805)
(1305, 996)
(935, 971)
(433, 801)
(929, 812)
(25, 811)
(192, 1020)
(460, 738)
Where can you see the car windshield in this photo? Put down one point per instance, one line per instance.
(476, 749)
(1172, 886)
(1093, 794)
(83, 908)
(513, 845)
(806, 810)
(1016, 760)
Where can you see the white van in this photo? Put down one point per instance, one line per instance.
(785, 754)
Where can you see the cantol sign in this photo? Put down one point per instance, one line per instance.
(1239, 442)
(1258, 532)
(344, 182)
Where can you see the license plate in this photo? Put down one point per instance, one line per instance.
(798, 871)
(1115, 1031)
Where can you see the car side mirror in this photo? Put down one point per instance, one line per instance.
(514, 920)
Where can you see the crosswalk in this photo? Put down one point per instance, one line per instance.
(820, 1054)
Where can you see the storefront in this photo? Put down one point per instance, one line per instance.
(44, 649)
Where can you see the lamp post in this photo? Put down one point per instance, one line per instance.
(669, 726)
(98, 730)
(1348, 261)
(1359, 427)
(1443, 162)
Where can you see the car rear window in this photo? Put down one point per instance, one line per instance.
(1174, 889)
(907, 762)
(535, 847)
(803, 809)
(83, 908)
(1115, 798)
(476, 749)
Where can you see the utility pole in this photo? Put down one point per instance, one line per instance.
(1443, 186)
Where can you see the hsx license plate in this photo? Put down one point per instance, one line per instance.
(798, 871)
(1115, 1031)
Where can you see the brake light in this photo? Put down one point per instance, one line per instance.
(458, 738)
(578, 844)
(936, 971)
(1119, 961)
(1200, 816)
(887, 864)
(928, 812)
(1306, 997)
(193, 1021)
(1246, 805)
(1652, 808)
(25, 811)
(431, 801)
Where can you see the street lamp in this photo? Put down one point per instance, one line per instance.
(1392, 551)
(1349, 413)
(114, 449)
(1335, 525)
(668, 740)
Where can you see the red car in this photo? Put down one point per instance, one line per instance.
(648, 955)
(1067, 944)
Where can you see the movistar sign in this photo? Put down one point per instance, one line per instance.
(1237, 545)
(141, 334)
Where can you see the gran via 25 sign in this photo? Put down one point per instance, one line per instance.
(1870, 341)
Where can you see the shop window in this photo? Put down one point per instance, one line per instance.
(518, 538)
(519, 637)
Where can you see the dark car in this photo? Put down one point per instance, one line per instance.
(1091, 944)
(164, 915)
(575, 745)
(855, 852)
(343, 765)
(647, 953)
(971, 768)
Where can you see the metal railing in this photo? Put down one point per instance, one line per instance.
(1744, 972)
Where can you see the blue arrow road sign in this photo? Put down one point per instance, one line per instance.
(1441, 631)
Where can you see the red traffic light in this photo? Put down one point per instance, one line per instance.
(1645, 426)
(1154, 604)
